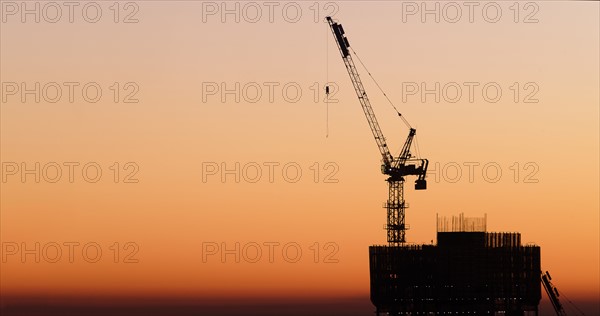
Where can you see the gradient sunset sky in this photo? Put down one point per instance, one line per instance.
(548, 151)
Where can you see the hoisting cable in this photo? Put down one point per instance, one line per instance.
(417, 147)
(327, 84)
(380, 89)
(327, 111)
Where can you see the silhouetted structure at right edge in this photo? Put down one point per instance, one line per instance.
(468, 272)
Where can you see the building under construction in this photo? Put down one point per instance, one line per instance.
(468, 272)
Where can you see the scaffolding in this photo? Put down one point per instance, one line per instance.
(461, 223)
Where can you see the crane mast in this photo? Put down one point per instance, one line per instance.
(395, 168)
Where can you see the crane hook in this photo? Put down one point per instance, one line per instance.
(327, 111)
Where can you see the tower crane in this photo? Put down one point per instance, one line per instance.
(552, 294)
(396, 168)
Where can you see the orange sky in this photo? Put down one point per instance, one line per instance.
(170, 212)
